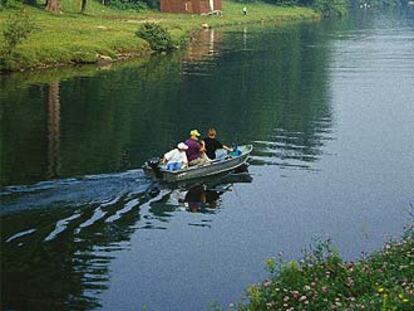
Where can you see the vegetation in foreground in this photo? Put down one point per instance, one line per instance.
(323, 281)
(103, 32)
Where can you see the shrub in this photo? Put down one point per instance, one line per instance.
(157, 36)
(323, 281)
(134, 4)
(18, 27)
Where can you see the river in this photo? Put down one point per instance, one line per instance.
(327, 106)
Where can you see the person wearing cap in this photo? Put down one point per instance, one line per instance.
(176, 159)
(196, 151)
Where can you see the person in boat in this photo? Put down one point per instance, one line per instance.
(196, 151)
(212, 144)
(176, 159)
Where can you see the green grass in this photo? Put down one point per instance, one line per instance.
(71, 37)
(383, 281)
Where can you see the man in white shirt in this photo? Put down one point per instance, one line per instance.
(176, 159)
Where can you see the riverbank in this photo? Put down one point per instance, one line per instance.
(104, 34)
(323, 281)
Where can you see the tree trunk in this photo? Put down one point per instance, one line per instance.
(52, 6)
(83, 6)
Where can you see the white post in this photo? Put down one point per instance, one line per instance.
(211, 5)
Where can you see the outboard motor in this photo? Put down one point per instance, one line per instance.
(153, 163)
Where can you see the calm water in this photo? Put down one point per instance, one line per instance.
(328, 107)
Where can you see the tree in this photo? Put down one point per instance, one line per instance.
(84, 5)
(53, 6)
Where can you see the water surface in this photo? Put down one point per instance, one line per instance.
(328, 108)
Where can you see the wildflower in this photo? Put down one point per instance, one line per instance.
(405, 300)
(266, 284)
(302, 298)
(380, 290)
(307, 287)
(286, 298)
(295, 294)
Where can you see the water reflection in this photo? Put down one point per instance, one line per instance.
(59, 245)
(53, 131)
(106, 123)
(64, 240)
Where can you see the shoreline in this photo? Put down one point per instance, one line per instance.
(106, 35)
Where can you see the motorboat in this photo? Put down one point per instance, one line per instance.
(222, 164)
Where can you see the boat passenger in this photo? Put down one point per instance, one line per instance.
(196, 152)
(212, 144)
(176, 159)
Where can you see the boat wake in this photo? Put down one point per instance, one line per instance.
(104, 190)
(92, 205)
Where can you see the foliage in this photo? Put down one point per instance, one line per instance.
(331, 7)
(326, 7)
(134, 4)
(322, 281)
(157, 36)
(383, 3)
(71, 37)
(3, 3)
(18, 28)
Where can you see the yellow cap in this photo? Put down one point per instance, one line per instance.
(194, 133)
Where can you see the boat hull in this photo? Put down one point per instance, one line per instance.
(214, 168)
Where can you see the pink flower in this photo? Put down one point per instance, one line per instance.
(295, 294)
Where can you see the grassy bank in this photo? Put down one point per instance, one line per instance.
(383, 281)
(71, 37)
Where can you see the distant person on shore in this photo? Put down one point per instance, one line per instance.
(176, 159)
(196, 152)
(244, 10)
(211, 144)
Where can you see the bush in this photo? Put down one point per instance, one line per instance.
(18, 27)
(157, 36)
(321, 281)
(134, 4)
(331, 7)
